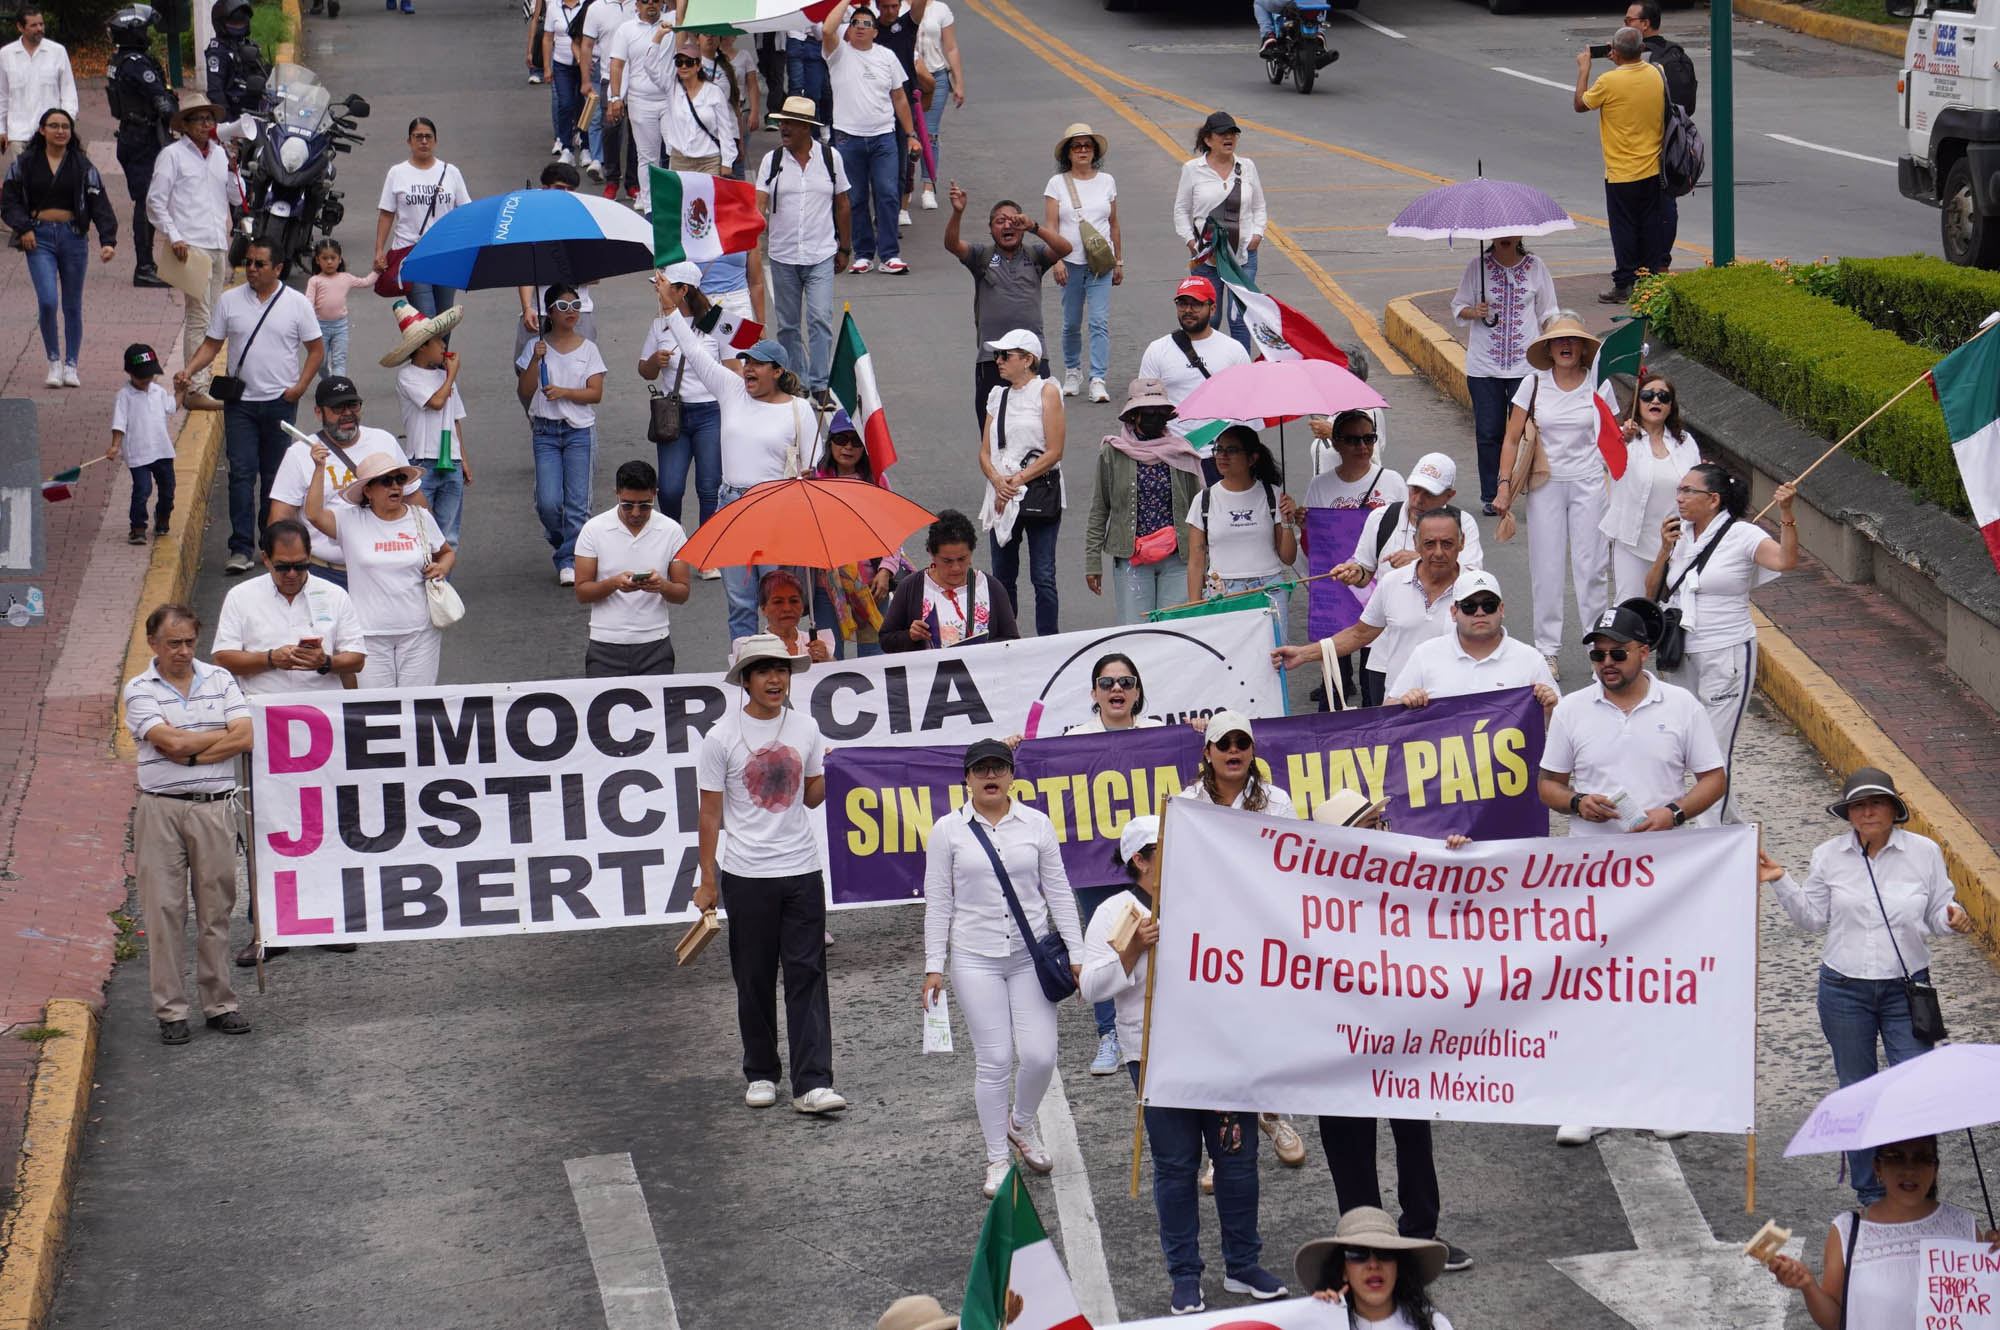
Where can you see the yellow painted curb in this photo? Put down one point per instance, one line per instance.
(1827, 27)
(1434, 351)
(31, 1232)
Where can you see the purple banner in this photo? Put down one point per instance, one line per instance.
(1462, 764)
(1331, 535)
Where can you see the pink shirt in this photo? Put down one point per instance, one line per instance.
(329, 294)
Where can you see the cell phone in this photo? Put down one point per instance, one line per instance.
(1601, 52)
(646, 576)
(309, 643)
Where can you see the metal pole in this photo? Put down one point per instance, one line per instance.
(1722, 130)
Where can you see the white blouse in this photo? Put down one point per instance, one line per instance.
(964, 907)
(1522, 297)
(1838, 901)
(1200, 189)
(1715, 602)
(1637, 495)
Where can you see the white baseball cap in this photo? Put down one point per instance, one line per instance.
(682, 273)
(1020, 339)
(1227, 722)
(1435, 472)
(1473, 581)
(1140, 833)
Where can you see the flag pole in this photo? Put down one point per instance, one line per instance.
(1146, 1025)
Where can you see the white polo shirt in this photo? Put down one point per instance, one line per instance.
(1470, 555)
(141, 415)
(1443, 668)
(257, 617)
(1650, 753)
(272, 365)
(629, 616)
(295, 475)
(1407, 616)
(603, 21)
(802, 226)
(1163, 360)
(631, 43)
(210, 703)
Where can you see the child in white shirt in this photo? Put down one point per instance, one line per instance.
(139, 416)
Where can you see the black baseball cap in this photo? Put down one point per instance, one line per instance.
(1620, 624)
(336, 390)
(987, 750)
(1220, 122)
(140, 359)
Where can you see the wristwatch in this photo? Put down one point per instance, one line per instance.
(1575, 804)
(192, 757)
(323, 667)
(1680, 818)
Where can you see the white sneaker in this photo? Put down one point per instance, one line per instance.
(1098, 392)
(761, 1094)
(1573, 1135)
(930, 199)
(996, 1176)
(829, 936)
(820, 1099)
(566, 577)
(1029, 1142)
(860, 266)
(593, 166)
(903, 217)
(1072, 382)
(556, 149)
(55, 375)
(69, 377)
(1660, 1134)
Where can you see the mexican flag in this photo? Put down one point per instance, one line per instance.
(1281, 332)
(1967, 384)
(852, 383)
(752, 15)
(57, 487)
(738, 332)
(1621, 352)
(697, 218)
(1017, 1281)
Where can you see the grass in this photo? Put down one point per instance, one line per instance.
(127, 944)
(1868, 11)
(268, 26)
(40, 1034)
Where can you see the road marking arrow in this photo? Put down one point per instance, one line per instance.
(1680, 1278)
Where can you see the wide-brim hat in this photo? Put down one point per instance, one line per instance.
(919, 1311)
(760, 647)
(1869, 783)
(417, 329)
(1538, 350)
(1364, 1226)
(1079, 130)
(191, 100)
(1143, 393)
(800, 109)
(372, 467)
(1344, 808)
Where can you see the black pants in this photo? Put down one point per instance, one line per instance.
(773, 921)
(137, 163)
(1350, 1156)
(1638, 215)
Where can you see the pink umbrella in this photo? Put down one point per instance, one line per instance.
(1267, 392)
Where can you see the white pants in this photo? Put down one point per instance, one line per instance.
(1563, 517)
(401, 660)
(1722, 682)
(1628, 571)
(195, 310)
(648, 120)
(1010, 1019)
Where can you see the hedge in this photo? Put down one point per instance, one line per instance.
(1822, 365)
(1919, 298)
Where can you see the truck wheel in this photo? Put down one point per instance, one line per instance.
(1970, 240)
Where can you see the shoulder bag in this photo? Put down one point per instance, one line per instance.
(1926, 1012)
(1194, 360)
(389, 282)
(1051, 953)
(446, 606)
(663, 421)
(1847, 1265)
(1041, 500)
(1098, 255)
(229, 387)
(1671, 649)
(1531, 467)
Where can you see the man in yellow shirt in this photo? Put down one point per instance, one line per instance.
(1631, 101)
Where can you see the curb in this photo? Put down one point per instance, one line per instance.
(32, 1232)
(1827, 27)
(1832, 722)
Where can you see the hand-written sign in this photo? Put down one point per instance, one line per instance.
(1958, 1286)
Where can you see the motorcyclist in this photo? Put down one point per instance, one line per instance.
(142, 104)
(236, 68)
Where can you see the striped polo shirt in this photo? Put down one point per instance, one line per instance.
(211, 702)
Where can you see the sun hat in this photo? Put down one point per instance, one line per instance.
(416, 329)
(1343, 808)
(1318, 1262)
(192, 101)
(336, 390)
(1435, 473)
(919, 1311)
(1142, 393)
(1020, 339)
(1473, 581)
(987, 750)
(1868, 783)
(1224, 722)
(373, 467)
(1620, 623)
(683, 273)
(803, 110)
(1139, 833)
(770, 351)
(1563, 326)
(759, 647)
(1079, 130)
(1197, 288)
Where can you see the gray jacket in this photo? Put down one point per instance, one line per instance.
(1112, 514)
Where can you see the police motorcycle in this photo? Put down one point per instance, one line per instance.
(288, 175)
(1297, 45)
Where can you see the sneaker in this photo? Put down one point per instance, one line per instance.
(55, 375)
(160, 533)
(1667, 1134)
(903, 217)
(1555, 667)
(69, 377)
(136, 536)
(238, 564)
(1206, 1178)
(1029, 1142)
(1456, 1258)
(860, 265)
(565, 577)
(631, 191)
(611, 190)
(760, 1094)
(1573, 1135)
(829, 936)
(230, 1022)
(534, 77)
(895, 267)
(1186, 1300)
(555, 148)
(1489, 510)
(1291, 1151)
(1098, 392)
(174, 1032)
(929, 199)
(996, 1176)
(593, 167)
(1258, 1282)
(1072, 382)
(408, 7)
(1264, 52)
(1107, 1059)
(819, 1099)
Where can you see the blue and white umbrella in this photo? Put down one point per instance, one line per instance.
(531, 237)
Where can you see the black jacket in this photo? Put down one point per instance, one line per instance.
(906, 606)
(91, 204)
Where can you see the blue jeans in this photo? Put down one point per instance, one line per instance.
(741, 583)
(1080, 287)
(699, 446)
(334, 333)
(1851, 1013)
(1040, 538)
(805, 74)
(1139, 589)
(1087, 901)
(934, 118)
(594, 138)
(873, 173)
(255, 444)
(1226, 306)
(1492, 402)
(563, 457)
(565, 101)
(431, 300)
(1267, 11)
(58, 263)
(144, 478)
(445, 492)
(1177, 1137)
(1281, 600)
(804, 294)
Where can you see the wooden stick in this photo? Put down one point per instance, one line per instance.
(88, 461)
(1146, 1025)
(1750, 1176)
(1243, 595)
(242, 765)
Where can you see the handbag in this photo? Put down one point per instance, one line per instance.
(228, 388)
(389, 282)
(1098, 255)
(1671, 648)
(1926, 1012)
(663, 420)
(1041, 500)
(446, 605)
(1051, 953)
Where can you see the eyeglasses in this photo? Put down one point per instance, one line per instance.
(1356, 438)
(1479, 605)
(566, 306)
(423, 138)
(635, 506)
(1236, 741)
(1230, 450)
(257, 263)
(1598, 655)
(1363, 1255)
(989, 768)
(1685, 490)
(1126, 681)
(1656, 395)
(290, 566)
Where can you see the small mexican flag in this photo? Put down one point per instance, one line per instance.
(852, 383)
(1622, 352)
(738, 332)
(752, 15)
(1017, 1281)
(1281, 332)
(1967, 384)
(697, 218)
(57, 487)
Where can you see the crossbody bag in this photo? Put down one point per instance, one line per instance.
(663, 420)
(1098, 255)
(1671, 649)
(1926, 1012)
(230, 387)
(389, 282)
(1050, 953)
(1041, 500)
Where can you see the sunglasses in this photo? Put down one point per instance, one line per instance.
(1479, 605)
(1356, 438)
(1126, 681)
(257, 263)
(1233, 742)
(1363, 1255)
(290, 566)
(862, 23)
(566, 306)
(634, 506)
(1656, 395)
(1598, 655)
(394, 480)
(1189, 302)
(686, 61)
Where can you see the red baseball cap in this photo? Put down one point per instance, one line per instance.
(1198, 287)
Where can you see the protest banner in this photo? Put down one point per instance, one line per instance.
(1331, 534)
(1310, 969)
(1463, 764)
(1958, 1286)
(489, 810)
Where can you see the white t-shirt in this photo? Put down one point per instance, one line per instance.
(629, 616)
(1240, 529)
(1163, 361)
(385, 569)
(863, 82)
(1649, 753)
(930, 37)
(257, 617)
(272, 366)
(295, 473)
(1568, 421)
(802, 227)
(692, 388)
(1715, 602)
(629, 44)
(141, 415)
(1405, 613)
(1442, 668)
(768, 832)
(603, 21)
(757, 436)
(566, 369)
(407, 191)
(1380, 486)
(1096, 195)
(415, 386)
(556, 20)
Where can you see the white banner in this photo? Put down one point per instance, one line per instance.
(1309, 969)
(1958, 1286)
(469, 811)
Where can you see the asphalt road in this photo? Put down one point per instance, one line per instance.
(393, 1146)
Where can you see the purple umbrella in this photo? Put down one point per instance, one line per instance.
(1481, 209)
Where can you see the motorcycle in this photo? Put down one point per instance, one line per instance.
(288, 182)
(1298, 45)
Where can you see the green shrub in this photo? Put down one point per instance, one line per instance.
(1822, 365)
(1919, 298)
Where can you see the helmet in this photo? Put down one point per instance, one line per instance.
(131, 27)
(225, 13)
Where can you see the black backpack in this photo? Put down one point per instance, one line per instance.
(1679, 69)
(778, 164)
(1683, 155)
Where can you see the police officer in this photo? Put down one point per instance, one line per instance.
(236, 69)
(142, 105)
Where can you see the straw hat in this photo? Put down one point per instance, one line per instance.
(1079, 130)
(192, 101)
(916, 1312)
(417, 329)
(801, 109)
(372, 467)
(1538, 350)
(1318, 1263)
(1345, 808)
(761, 647)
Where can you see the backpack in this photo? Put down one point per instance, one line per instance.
(778, 165)
(1673, 62)
(1682, 153)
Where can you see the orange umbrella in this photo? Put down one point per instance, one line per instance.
(806, 523)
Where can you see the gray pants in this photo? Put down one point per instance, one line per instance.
(180, 846)
(613, 660)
